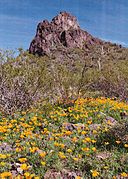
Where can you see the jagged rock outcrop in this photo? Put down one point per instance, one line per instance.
(64, 31)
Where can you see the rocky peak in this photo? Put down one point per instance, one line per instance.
(65, 21)
(63, 31)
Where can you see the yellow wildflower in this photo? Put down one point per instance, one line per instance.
(93, 141)
(3, 156)
(33, 149)
(126, 145)
(37, 177)
(109, 122)
(79, 156)
(95, 173)
(42, 154)
(62, 146)
(51, 138)
(94, 149)
(18, 177)
(77, 177)
(88, 139)
(69, 150)
(123, 174)
(43, 163)
(24, 166)
(85, 149)
(89, 121)
(105, 129)
(56, 144)
(26, 174)
(2, 163)
(75, 159)
(68, 133)
(94, 132)
(5, 174)
(83, 132)
(61, 155)
(74, 139)
(22, 159)
(22, 119)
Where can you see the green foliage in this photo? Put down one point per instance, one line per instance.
(68, 73)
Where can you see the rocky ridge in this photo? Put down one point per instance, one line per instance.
(63, 31)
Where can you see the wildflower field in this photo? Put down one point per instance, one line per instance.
(86, 138)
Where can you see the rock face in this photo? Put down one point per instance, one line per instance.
(64, 31)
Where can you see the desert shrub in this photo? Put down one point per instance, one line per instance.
(26, 79)
(21, 82)
(113, 80)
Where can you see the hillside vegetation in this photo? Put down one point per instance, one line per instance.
(65, 115)
(67, 73)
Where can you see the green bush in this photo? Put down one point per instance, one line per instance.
(68, 73)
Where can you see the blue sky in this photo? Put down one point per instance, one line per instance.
(106, 19)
